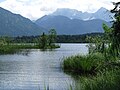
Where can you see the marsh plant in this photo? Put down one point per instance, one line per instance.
(87, 64)
(109, 80)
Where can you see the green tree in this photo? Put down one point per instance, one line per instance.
(115, 31)
(52, 37)
(111, 37)
(43, 41)
(8, 39)
(96, 44)
(4, 41)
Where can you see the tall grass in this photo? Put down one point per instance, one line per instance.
(12, 48)
(88, 64)
(93, 71)
(9, 49)
(109, 80)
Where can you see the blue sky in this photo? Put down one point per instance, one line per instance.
(2, 0)
(34, 9)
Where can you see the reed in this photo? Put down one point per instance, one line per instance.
(87, 64)
(109, 80)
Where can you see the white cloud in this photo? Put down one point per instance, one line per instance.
(34, 9)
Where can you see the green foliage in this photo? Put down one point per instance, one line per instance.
(43, 41)
(89, 64)
(109, 80)
(52, 37)
(109, 44)
(59, 39)
(8, 45)
(48, 41)
(103, 68)
(107, 30)
(5, 40)
(115, 36)
(95, 73)
(2, 41)
(98, 45)
(13, 48)
(114, 42)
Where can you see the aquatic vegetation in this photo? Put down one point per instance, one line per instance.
(12, 48)
(87, 64)
(8, 49)
(107, 80)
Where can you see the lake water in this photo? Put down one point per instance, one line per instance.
(35, 69)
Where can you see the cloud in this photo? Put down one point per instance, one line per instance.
(46, 9)
(35, 9)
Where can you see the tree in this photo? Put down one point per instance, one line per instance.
(112, 34)
(115, 29)
(96, 44)
(4, 40)
(43, 41)
(8, 39)
(52, 37)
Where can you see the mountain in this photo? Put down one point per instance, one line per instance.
(16, 25)
(71, 13)
(102, 14)
(65, 25)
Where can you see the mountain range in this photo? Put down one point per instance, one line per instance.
(102, 14)
(65, 21)
(71, 21)
(16, 25)
(65, 25)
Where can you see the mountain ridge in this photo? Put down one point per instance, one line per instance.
(16, 25)
(65, 25)
(101, 13)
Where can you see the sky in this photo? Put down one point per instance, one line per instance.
(34, 9)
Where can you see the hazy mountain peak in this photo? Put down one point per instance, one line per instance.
(102, 13)
(102, 10)
(70, 13)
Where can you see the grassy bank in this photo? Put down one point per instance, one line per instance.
(12, 48)
(93, 72)
(8, 49)
(54, 46)
(107, 80)
(88, 64)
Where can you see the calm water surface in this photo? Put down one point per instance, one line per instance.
(35, 69)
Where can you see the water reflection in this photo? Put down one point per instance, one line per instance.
(35, 69)
(24, 52)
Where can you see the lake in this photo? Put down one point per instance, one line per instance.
(35, 69)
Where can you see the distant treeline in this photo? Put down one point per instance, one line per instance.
(76, 38)
(60, 38)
